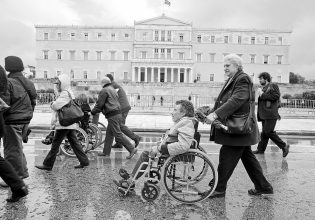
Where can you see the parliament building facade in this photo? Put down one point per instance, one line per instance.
(160, 49)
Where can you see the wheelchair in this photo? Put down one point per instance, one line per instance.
(188, 178)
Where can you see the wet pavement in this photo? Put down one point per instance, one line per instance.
(68, 193)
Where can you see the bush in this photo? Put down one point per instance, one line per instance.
(309, 95)
(287, 96)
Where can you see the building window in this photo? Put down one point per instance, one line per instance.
(211, 77)
(198, 57)
(252, 58)
(144, 36)
(126, 35)
(279, 79)
(59, 36)
(169, 35)
(86, 36)
(85, 74)
(45, 36)
(72, 36)
(99, 36)
(199, 38)
(212, 39)
(98, 74)
(266, 59)
(98, 55)
(198, 77)
(156, 35)
(280, 40)
(226, 39)
(239, 39)
(45, 74)
(45, 54)
(212, 57)
(169, 51)
(85, 55)
(72, 54)
(162, 35)
(156, 53)
(181, 55)
(144, 54)
(113, 36)
(125, 75)
(252, 40)
(71, 74)
(266, 40)
(181, 37)
(279, 59)
(126, 55)
(58, 72)
(58, 54)
(162, 53)
(112, 55)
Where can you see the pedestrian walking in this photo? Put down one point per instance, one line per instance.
(108, 104)
(153, 100)
(124, 109)
(268, 105)
(16, 120)
(65, 95)
(161, 100)
(233, 100)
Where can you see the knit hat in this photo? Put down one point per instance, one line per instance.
(13, 64)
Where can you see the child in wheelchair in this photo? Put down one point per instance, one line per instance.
(178, 140)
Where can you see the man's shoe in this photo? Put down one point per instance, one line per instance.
(132, 153)
(102, 155)
(43, 167)
(116, 145)
(80, 166)
(258, 152)
(137, 141)
(217, 194)
(3, 184)
(285, 150)
(124, 174)
(125, 183)
(255, 192)
(18, 194)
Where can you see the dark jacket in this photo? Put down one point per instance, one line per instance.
(28, 84)
(234, 99)
(123, 100)
(268, 103)
(107, 102)
(20, 111)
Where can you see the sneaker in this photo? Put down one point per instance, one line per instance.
(285, 150)
(258, 152)
(43, 167)
(80, 166)
(102, 155)
(132, 153)
(18, 194)
(125, 183)
(255, 192)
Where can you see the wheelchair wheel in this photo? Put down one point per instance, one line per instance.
(82, 138)
(180, 173)
(150, 192)
(95, 136)
(102, 128)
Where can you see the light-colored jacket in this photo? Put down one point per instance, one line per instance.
(180, 136)
(61, 101)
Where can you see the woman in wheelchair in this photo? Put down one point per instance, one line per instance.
(178, 141)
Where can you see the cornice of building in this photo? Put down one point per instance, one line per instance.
(83, 26)
(244, 30)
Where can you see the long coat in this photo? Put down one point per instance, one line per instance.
(268, 103)
(234, 99)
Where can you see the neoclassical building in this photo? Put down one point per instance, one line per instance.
(160, 49)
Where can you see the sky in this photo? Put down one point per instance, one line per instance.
(18, 17)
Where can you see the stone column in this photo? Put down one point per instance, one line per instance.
(133, 69)
(139, 74)
(159, 74)
(145, 74)
(152, 74)
(172, 74)
(192, 77)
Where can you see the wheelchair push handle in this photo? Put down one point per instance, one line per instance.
(200, 116)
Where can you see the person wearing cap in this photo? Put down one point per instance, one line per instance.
(124, 109)
(108, 104)
(16, 119)
(65, 95)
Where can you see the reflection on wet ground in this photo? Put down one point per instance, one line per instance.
(66, 193)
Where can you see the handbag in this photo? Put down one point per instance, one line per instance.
(241, 123)
(70, 113)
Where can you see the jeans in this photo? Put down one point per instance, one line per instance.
(60, 135)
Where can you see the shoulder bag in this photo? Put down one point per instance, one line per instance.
(70, 113)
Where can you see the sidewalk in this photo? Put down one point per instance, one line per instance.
(159, 122)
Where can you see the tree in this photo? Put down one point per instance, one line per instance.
(296, 78)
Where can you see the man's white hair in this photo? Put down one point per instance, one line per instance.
(235, 59)
(105, 81)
